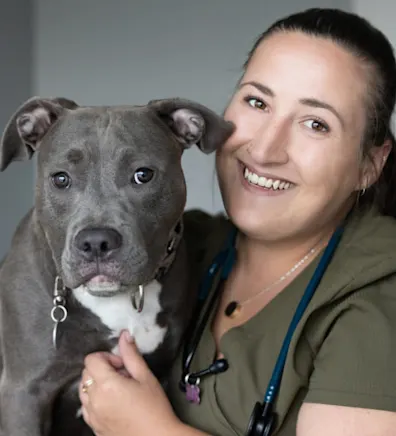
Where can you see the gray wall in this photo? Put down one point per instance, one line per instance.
(382, 14)
(102, 52)
(16, 69)
(129, 51)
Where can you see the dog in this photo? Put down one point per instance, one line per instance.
(101, 250)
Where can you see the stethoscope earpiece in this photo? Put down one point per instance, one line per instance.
(261, 420)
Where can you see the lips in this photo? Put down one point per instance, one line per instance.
(102, 283)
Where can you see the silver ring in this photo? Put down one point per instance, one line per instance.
(63, 314)
(138, 305)
(187, 378)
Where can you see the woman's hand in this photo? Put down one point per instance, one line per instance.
(129, 402)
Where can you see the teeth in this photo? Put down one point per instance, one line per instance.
(268, 183)
(262, 181)
(255, 179)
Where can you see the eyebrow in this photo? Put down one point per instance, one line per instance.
(311, 102)
(74, 156)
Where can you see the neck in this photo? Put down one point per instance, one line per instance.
(262, 258)
(256, 257)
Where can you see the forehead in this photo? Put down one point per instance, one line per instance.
(296, 65)
(90, 133)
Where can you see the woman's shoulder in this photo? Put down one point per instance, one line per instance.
(362, 271)
(365, 256)
(369, 245)
(354, 335)
(370, 227)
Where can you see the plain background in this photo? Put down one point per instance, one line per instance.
(130, 51)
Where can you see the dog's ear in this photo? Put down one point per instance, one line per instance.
(27, 127)
(193, 123)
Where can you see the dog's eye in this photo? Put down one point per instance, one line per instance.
(143, 175)
(61, 180)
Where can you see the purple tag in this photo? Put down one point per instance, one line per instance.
(192, 393)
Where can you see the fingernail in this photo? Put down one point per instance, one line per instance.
(128, 336)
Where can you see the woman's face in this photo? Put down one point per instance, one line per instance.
(293, 164)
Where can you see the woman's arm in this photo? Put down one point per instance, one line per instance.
(327, 420)
(185, 430)
(352, 388)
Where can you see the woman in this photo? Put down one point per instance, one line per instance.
(312, 153)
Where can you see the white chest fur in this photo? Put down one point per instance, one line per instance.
(118, 314)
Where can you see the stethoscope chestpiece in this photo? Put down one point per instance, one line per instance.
(261, 420)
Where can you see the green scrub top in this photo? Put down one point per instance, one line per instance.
(343, 351)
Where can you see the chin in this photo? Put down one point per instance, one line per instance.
(246, 220)
(256, 225)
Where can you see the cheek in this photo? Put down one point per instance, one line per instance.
(247, 123)
(225, 171)
(54, 207)
(324, 166)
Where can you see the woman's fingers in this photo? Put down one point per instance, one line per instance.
(102, 365)
(132, 359)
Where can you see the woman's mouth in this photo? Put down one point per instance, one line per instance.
(266, 182)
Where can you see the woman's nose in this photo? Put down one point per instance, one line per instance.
(269, 144)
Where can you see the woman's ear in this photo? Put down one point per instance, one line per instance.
(374, 164)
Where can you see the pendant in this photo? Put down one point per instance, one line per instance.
(193, 393)
(232, 309)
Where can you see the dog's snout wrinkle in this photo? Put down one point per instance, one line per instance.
(98, 243)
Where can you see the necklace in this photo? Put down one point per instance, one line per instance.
(234, 308)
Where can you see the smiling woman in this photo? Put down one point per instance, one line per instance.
(311, 160)
(294, 128)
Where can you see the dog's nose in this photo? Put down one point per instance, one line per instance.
(98, 243)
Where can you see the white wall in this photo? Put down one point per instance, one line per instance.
(124, 51)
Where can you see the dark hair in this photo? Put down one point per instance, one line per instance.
(358, 36)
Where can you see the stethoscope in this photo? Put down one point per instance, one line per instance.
(262, 419)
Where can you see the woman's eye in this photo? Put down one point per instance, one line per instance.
(256, 103)
(317, 126)
(61, 180)
(142, 175)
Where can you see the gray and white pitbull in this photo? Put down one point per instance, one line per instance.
(102, 249)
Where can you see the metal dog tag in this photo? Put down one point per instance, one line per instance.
(193, 391)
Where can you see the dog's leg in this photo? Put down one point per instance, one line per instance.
(26, 414)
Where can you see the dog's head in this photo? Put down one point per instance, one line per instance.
(110, 188)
